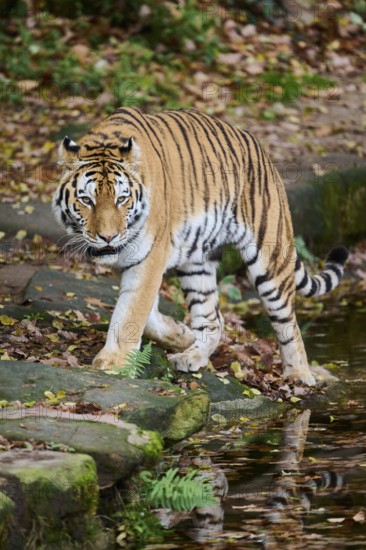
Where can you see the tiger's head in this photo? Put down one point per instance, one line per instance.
(101, 198)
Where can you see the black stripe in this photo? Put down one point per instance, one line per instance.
(276, 319)
(304, 281)
(335, 269)
(196, 301)
(181, 273)
(314, 286)
(194, 244)
(201, 292)
(328, 281)
(261, 279)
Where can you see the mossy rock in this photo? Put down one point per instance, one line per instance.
(330, 209)
(117, 449)
(6, 517)
(229, 404)
(151, 404)
(54, 493)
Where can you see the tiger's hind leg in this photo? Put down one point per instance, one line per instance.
(198, 282)
(276, 287)
(168, 333)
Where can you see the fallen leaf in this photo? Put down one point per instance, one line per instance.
(7, 321)
(21, 234)
(359, 517)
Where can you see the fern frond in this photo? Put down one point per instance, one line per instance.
(136, 362)
(181, 493)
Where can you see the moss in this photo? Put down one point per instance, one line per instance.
(66, 488)
(6, 516)
(330, 209)
(55, 495)
(189, 416)
(150, 442)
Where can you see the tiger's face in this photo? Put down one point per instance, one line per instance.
(101, 200)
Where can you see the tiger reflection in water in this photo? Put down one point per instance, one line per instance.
(281, 506)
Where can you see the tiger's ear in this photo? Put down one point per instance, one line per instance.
(130, 151)
(68, 149)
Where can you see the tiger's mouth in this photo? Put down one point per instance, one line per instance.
(105, 251)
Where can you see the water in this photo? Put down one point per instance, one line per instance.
(296, 482)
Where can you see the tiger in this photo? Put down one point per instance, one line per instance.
(147, 193)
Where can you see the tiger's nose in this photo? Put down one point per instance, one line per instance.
(107, 238)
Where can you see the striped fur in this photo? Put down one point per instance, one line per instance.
(153, 192)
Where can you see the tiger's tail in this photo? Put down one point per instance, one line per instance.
(326, 280)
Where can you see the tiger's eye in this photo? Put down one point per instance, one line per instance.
(87, 200)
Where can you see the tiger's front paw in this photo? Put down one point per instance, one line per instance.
(190, 360)
(108, 360)
(303, 374)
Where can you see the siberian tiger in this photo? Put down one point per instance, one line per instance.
(150, 192)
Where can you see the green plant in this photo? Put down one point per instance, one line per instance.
(179, 493)
(303, 251)
(34, 316)
(137, 521)
(135, 362)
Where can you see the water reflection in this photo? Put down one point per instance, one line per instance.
(299, 482)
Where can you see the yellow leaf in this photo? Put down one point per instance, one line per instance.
(198, 375)
(56, 323)
(49, 394)
(7, 321)
(312, 459)
(70, 294)
(218, 418)
(244, 419)
(21, 234)
(60, 394)
(255, 391)
(48, 146)
(39, 288)
(294, 399)
(52, 337)
(3, 403)
(6, 357)
(2, 234)
(29, 209)
(37, 239)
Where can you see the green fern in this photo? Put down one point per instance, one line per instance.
(136, 362)
(180, 493)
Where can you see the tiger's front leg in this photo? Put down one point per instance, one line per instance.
(139, 287)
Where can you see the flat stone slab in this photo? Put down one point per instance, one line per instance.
(48, 290)
(40, 222)
(229, 404)
(58, 490)
(151, 404)
(116, 448)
